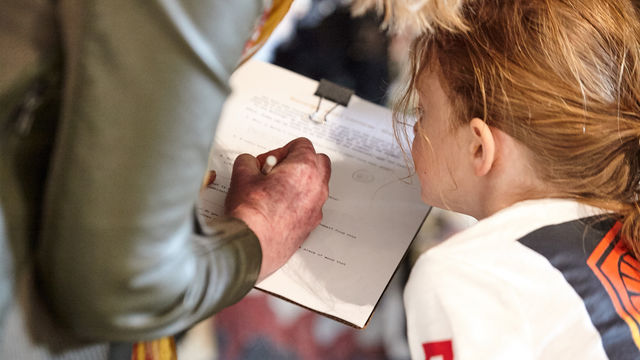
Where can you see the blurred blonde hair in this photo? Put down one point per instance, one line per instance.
(560, 76)
(415, 16)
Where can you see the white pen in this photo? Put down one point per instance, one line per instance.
(269, 163)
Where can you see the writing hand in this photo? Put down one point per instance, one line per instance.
(284, 206)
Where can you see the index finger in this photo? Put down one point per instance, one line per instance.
(295, 145)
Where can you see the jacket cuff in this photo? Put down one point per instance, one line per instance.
(235, 236)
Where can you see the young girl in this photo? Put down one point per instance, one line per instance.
(528, 118)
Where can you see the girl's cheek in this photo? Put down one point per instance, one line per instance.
(415, 150)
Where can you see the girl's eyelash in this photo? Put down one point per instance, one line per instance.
(418, 112)
(414, 114)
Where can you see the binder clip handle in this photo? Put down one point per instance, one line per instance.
(331, 91)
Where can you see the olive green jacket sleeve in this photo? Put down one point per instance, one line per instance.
(144, 82)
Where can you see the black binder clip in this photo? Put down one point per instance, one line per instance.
(331, 91)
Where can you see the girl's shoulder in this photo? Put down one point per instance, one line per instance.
(534, 257)
(513, 223)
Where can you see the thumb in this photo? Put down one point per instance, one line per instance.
(246, 165)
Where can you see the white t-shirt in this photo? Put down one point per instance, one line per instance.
(530, 282)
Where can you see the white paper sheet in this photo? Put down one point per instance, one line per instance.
(373, 211)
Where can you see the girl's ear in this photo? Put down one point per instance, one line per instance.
(483, 147)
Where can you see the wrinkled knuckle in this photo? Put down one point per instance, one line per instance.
(308, 161)
(304, 144)
(304, 141)
(309, 156)
(325, 158)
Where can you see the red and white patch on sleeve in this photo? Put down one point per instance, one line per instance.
(440, 350)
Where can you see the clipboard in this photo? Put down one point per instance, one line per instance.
(374, 209)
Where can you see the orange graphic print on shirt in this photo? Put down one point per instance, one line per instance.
(619, 272)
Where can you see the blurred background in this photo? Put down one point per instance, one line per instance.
(320, 39)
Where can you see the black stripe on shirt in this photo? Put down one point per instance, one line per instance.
(567, 246)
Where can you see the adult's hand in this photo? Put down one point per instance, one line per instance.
(283, 206)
